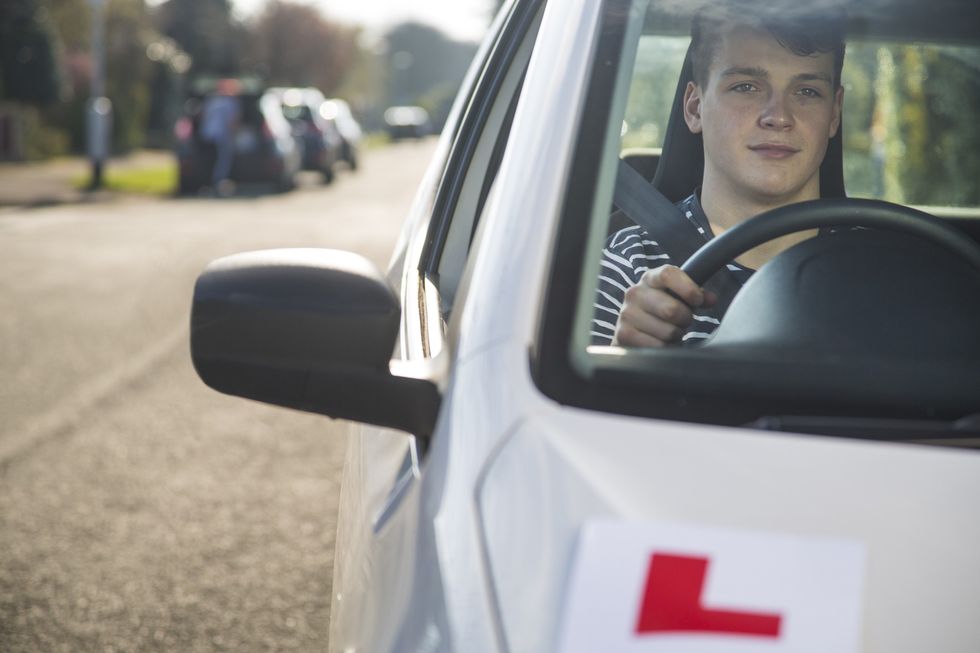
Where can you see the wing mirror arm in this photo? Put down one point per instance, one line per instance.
(309, 329)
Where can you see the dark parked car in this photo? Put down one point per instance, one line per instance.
(322, 142)
(265, 149)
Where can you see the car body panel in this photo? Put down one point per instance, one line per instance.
(806, 486)
(375, 544)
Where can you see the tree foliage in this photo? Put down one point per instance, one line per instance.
(207, 31)
(154, 52)
(294, 45)
(910, 127)
(426, 67)
(128, 33)
(29, 70)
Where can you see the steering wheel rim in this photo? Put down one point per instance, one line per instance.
(813, 214)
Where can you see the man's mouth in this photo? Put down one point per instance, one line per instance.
(774, 150)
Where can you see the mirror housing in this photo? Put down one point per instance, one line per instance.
(310, 329)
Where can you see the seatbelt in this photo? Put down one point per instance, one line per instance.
(649, 208)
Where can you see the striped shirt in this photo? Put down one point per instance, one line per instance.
(632, 251)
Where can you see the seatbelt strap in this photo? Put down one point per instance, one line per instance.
(649, 208)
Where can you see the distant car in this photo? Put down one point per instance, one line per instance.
(339, 112)
(265, 149)
(407, 122)
(322, 141)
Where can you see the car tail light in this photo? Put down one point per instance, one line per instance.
(183, 129)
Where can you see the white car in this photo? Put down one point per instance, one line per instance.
(340, 113)
(806, 480)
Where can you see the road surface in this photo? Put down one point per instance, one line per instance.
(139, 510)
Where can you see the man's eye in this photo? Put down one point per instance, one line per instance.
(745, 87)
(809, 92)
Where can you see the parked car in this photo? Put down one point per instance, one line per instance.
(407, 122)
(265, 149)
(804, 481)
(323, 144)
(338, 111)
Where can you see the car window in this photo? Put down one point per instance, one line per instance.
(476, 153)
(910, 138)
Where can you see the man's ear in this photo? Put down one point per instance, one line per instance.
(838, 108)
(692, 107)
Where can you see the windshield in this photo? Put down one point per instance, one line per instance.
(768, 119)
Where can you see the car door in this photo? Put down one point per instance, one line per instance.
(377, 526)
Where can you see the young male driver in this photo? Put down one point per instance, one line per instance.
(766, 98)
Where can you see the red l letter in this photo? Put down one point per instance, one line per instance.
(672, 603)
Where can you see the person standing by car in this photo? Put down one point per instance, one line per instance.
(219, 119)
(766, 98)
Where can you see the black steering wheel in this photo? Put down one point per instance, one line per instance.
(826, 213)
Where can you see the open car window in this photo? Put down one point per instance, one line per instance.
(859, 351)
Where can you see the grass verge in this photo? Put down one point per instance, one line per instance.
(374, 140)
(155, 180)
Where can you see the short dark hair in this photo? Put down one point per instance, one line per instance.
(802, 33)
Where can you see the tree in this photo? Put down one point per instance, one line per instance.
(910, 123)
(426, 67)
(29, 69)
(295, 45)
(207, 32)
(128, 70)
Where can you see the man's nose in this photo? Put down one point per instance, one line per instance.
(777, 113)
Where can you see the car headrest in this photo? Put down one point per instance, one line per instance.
(681, 164)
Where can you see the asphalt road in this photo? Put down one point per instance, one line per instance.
(139, 510)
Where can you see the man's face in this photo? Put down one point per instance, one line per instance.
(766, 115)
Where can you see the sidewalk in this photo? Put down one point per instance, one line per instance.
(53, 182)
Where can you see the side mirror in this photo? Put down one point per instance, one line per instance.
(311, 329)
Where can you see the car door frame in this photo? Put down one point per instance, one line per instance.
(381, 536)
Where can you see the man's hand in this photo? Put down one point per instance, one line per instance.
(651, 316)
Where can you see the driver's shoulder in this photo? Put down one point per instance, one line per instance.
(634, 246)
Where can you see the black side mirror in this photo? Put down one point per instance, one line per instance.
(310, 329)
